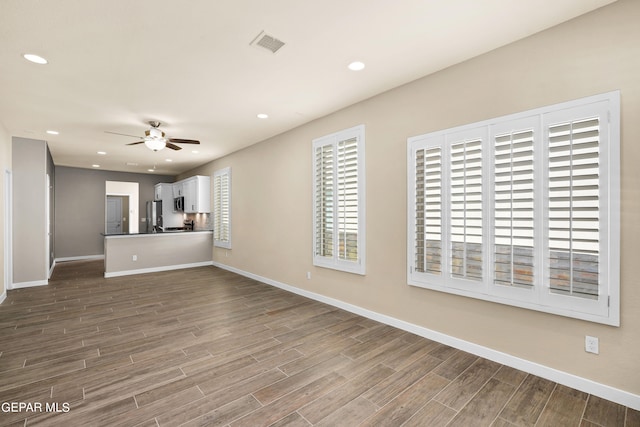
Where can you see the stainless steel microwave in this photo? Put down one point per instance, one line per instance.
(178, 204)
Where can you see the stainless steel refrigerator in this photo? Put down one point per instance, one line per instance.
(154, 216)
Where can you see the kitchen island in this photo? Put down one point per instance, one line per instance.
(126, 254)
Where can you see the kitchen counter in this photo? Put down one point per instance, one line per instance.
(126, 254)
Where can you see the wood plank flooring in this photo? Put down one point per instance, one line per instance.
(208, 347)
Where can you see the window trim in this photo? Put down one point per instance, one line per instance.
(218, 242)
(333, 262)
(538, 297)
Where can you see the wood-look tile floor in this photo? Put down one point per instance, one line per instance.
(207, 347)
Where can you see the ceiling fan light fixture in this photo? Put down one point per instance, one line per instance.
(154, 144)
(155, 133)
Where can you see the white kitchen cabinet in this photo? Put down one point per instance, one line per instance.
(170, 219)
(163, 192)
(178, 189)
(157, 195)
(197, 194)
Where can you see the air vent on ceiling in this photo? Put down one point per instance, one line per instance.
(268, 42)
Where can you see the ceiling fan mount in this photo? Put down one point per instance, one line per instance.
(155, 139)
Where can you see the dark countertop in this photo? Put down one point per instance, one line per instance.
(144, 233)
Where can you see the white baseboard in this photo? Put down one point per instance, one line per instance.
(29, 284)
(3, 296)
(601, 390)
(157, 269)
(53, 265)
(79, 258)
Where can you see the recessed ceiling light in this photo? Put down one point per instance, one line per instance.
(195, 151)
(95, 166)
(151, 170)
(36, 59)
(102, 153)
(168, 160)
(53, 132)
(131, 164)
(356, 66)
(263, 116)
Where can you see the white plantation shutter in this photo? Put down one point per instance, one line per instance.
(521, 210)
(466, 209)
(574, 207)
(513, 219)
(222, 208)
(428, 210)
(338, 169)
(347, 199)
(324, 221)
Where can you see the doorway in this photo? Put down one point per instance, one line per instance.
(117, 207)
(121, 207)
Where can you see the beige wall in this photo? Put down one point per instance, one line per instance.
(272, 207)
(30, 258)
(5, 164)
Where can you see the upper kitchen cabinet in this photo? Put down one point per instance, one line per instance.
(197, 194)
(163, 192)
(178, 189)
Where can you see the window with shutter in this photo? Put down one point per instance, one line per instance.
(528, 216)
(513, 208)
(222, 208)
(574, 194)
(338, 174)
(324, 201)
(466, 209)
(428, 210)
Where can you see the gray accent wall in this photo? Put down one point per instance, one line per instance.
(80, 207)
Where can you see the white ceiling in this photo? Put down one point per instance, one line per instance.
(116, 64)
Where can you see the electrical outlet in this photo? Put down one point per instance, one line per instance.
(591, 345)
(308, 275)
(134, 258)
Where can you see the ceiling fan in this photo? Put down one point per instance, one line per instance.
(155, 139)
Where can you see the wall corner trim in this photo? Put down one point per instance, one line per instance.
(3, 296)
(588, 386)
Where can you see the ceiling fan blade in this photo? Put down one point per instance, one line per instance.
(184, 141)
(135, 143)
(123, 134)
(172, 146)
